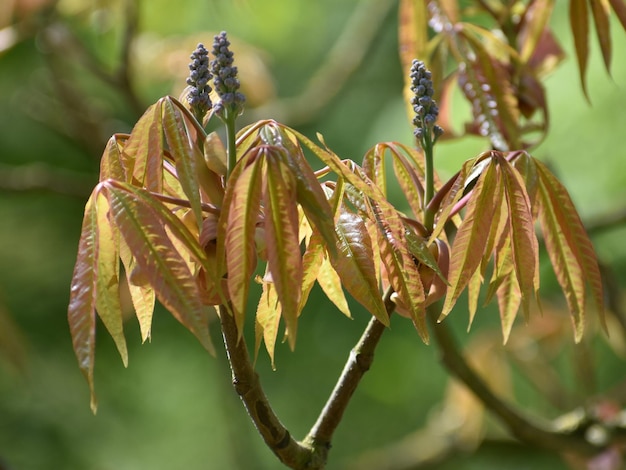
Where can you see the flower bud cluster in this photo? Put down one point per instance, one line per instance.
(225, 77)
(425, 107)
(198, 81)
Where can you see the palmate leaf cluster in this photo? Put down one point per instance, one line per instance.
(193, 239)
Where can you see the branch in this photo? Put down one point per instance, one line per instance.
(359, 362)
(247, 385)
(545, 436)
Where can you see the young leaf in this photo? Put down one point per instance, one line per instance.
(144, 150)
(569, 248)
(168, 273)
(240, 244)
(355, 264)
(113, 163)
(81, 313)
(182, 149)
(619, 7)
(579, 23)
(282, 240)
(509, 300)
(524, 245)
(471, 239)
(402, 271)
(107, 277)
(330, 282)
(532, 27)
(141, 294)
(600, 12)
(267, 320)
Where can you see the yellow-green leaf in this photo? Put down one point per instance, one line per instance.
(330, 282)
(509, 300)
(107, 270)
(267, 320)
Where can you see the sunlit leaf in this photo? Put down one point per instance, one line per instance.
(509, 300)
(579, 23)
(311, 263)
(330, 282)
(141, 294)
(240, 232)
(144, 148)
(471, 239)
(473, 292)
(168, 273)
(282, 240)
(267, 320)
(182, 149)
(113, 163)
(82, 304)
(107, 270)
(215, 154)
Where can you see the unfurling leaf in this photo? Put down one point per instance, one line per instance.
(267, 320)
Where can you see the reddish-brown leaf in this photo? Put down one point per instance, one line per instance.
(600, 11)
(579, 23)
(619, 7)
(401, 269)
(240, 232)
(532, 27)
(569, 248)
(113, 163)
(82, 305)
(142, 227)
(471, 239)
(524, 245)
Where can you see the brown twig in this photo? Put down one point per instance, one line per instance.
(247, 385)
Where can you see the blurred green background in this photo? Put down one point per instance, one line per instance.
(174, 406)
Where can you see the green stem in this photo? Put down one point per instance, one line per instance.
(429, 191)
(231, 148)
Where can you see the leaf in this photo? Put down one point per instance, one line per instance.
(569, 248)
(113, 163)
(330, 282)
(355, 264)
(182, 150)
(509, 300)
(532, 27)
(600, 12)
(619, 7)
(402, 271)
(311, 264)
(579, 23)
(82, 304)
(471, 239)
(141, 225)
(267, 320)
(142, 295)
(107, 277)
(241, 257)
(215, 154)
(282, 240)
(524, 245)
(144, 148)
